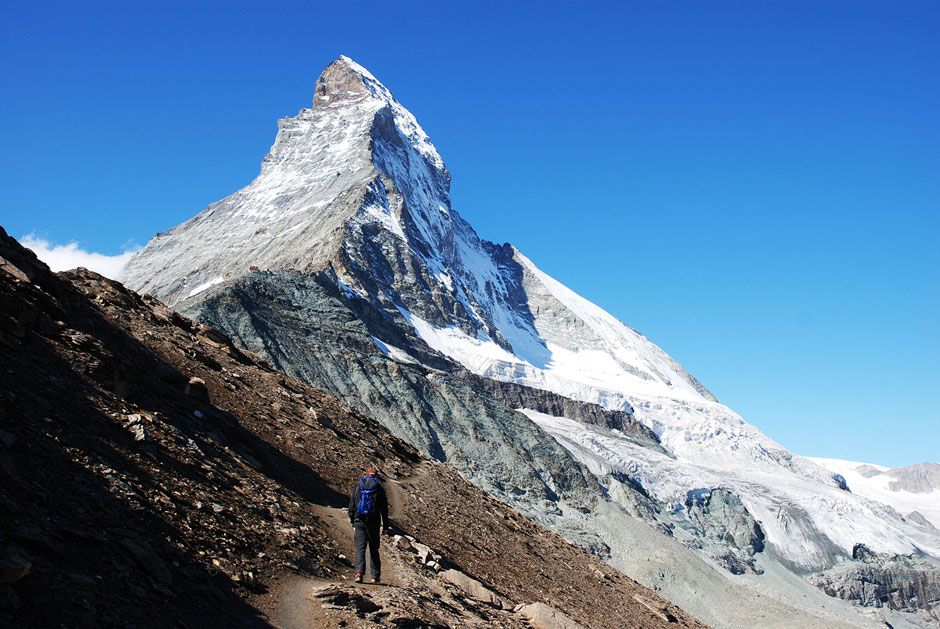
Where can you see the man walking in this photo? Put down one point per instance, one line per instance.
(368, 508)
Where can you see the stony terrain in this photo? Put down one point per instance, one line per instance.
(155, 475)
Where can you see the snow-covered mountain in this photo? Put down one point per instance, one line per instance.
(913, 490)
(354, 190)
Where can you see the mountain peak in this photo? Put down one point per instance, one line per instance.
(344, 80)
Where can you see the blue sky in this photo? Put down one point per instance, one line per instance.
(755, 186)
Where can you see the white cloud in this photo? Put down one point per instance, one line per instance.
(70, 256)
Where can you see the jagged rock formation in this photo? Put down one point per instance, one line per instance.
(720, 515)
(350, 218)
(153, 474)
(880, 580)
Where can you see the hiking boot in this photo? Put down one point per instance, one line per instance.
(358, 577)
(375, 579)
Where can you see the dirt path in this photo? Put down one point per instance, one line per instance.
(298, 608)
(337, 522)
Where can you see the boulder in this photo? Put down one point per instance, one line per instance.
(138, 430)
(473, 588)
(196, 387)
(426, 556)
(542, 616)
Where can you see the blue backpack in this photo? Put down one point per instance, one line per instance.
(367, 488)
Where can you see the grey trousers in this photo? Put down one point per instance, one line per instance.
(367, 534)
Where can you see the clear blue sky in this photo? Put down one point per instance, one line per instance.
(753, 185)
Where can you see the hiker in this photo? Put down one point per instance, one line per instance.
(368, 507)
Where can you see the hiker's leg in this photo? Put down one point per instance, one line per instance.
(362, 539)
(375, 560)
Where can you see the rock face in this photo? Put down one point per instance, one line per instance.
(922, 478)
(720, 515)
(372, 287)
(518, 396)
(880, 580)
(304, 325)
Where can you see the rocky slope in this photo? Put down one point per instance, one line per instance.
(310, 329)
(155, 474)
(373, 287)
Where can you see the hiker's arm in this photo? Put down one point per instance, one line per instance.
(352, 506)
(383, 507)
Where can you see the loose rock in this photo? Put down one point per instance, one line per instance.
(542, 616)
(474, 588)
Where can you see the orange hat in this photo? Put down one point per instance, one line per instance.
(371, 471)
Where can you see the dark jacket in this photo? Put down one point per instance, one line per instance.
(381, 503)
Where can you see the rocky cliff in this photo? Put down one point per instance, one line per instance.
(880, 580)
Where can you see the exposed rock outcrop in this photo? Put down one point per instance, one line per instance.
(868, 470)
(872, 579)
(840, 482)
(519, 396)
(922, 478)
(721, 516)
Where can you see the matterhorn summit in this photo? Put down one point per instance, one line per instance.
(344, 264)
(293, 214)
